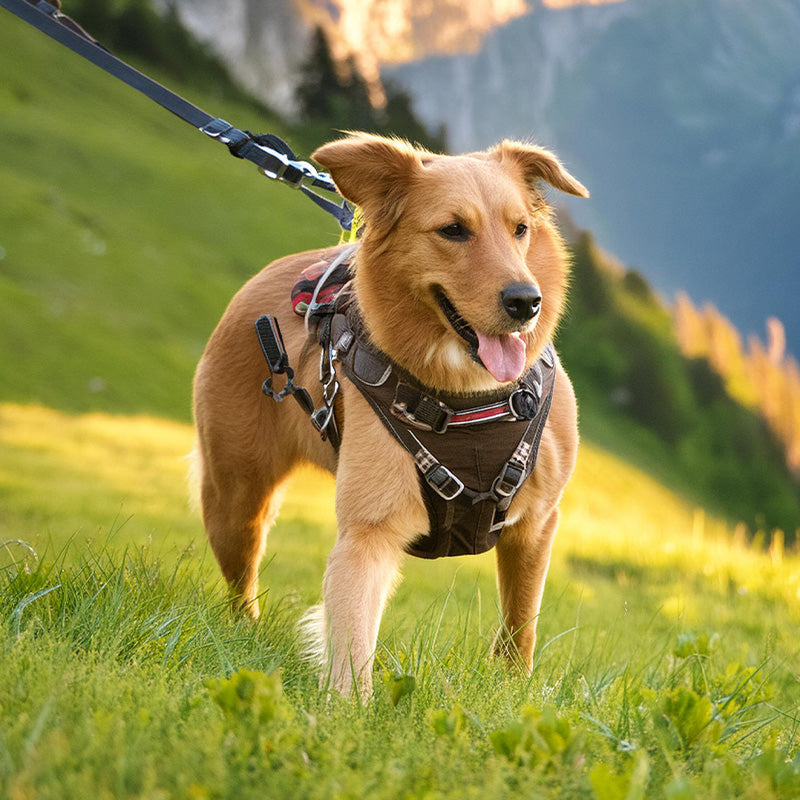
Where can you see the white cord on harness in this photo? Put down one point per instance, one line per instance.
(341, 258)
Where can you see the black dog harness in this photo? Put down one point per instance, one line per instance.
(471, 460)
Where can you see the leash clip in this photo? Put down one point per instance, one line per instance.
(279, 172)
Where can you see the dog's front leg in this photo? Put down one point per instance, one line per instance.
(523, 558)
(359, 579)
(379, 511)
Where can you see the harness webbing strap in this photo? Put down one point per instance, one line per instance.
(278, 164)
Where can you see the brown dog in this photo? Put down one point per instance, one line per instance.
(472, 229)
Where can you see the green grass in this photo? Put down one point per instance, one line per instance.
(124, 232)
(666, 665)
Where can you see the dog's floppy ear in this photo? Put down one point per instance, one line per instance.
(540, 164)
(366, 167)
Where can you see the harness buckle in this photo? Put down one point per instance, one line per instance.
(321, 418)
(420, 410)
(444, 483)
(438, 476)
(509, 480)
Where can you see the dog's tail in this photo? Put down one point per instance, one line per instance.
(314, 636)
(194, 477)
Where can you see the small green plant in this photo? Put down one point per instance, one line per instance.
(250, 698)
(399, 686)
(686, 718)
(540, 739)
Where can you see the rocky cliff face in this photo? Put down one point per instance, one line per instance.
(265, 41)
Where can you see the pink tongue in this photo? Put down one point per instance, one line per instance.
(503, 356)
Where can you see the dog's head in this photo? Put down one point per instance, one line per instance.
(461, 274)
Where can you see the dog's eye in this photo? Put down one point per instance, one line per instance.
(521, 230)
(455, 231)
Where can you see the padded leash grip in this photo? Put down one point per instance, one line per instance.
(271, 340)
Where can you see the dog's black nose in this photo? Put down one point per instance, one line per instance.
(521, 301)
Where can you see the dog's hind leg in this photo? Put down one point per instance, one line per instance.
(237, 513)
(523, 558)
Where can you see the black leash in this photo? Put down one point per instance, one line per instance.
(271, 154)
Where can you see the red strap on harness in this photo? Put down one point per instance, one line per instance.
(484, 414)
(306, 285)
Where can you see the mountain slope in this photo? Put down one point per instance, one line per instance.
(124, 234)
(682, 117)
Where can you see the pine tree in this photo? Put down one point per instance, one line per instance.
(319, 86)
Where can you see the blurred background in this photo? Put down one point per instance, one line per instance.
(123, 234)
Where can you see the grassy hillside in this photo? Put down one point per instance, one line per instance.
(123, 233)
(666, 665)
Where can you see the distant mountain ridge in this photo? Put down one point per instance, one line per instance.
(682, 117)
(266, 41)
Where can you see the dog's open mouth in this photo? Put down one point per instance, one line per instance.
(503, 356)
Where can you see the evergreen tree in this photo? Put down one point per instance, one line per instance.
(340, 97)
(319, 86)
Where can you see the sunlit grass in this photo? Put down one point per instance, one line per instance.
(626, 545)
(667, 652)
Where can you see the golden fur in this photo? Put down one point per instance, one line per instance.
(249, 445)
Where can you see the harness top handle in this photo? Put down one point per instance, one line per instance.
(271, 154)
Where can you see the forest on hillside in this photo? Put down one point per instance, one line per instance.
(762, 376)
(688, 403)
